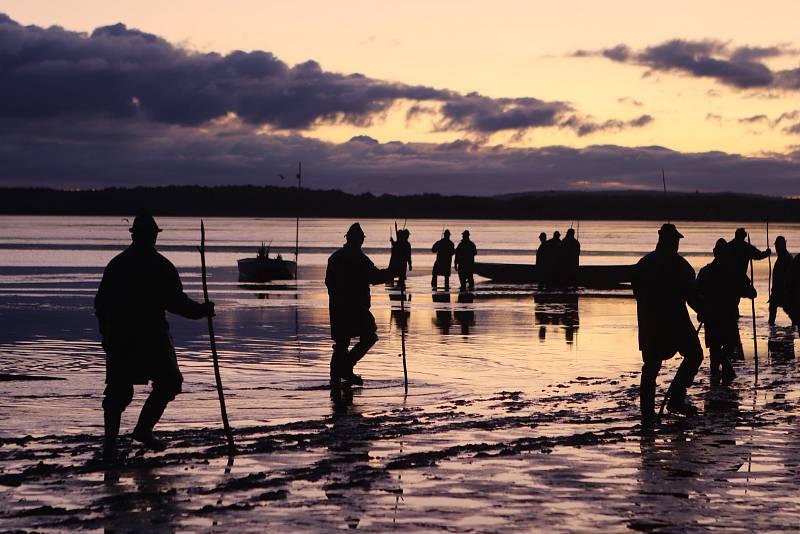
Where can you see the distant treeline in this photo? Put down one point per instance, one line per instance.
(267, 201)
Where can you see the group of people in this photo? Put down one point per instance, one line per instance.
(446, 251)
(664, 284)
(139, 285)
(557, 259)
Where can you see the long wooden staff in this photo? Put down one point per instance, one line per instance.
(753, 307)
(769, 260)
(212, 339)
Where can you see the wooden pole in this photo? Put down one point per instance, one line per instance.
(753, 307)
(664, 183)
(212, 339)
(297, 220)
(769, 261)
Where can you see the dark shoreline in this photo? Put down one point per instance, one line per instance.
(269, 201)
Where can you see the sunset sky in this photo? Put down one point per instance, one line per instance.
(452, 97)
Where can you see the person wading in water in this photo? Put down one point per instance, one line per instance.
(721, 286)
(663, 283)
(348, 277)
(444, 250)
(137, 287)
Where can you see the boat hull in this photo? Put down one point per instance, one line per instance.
(264, 270)
(594, 276)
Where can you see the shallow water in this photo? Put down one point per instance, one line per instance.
(521, 411)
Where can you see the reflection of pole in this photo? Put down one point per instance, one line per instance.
(403, 335)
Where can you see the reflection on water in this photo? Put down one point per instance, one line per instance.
(506, 411)
(559, 310)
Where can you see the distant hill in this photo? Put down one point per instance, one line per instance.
(268, 201)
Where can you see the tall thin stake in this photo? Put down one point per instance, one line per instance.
(212, 339)
(403, 335)
(297, 220)
(664, 183)
(769, 261)
(753, 307)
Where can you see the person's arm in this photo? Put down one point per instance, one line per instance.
(759, 254)
(180, 303)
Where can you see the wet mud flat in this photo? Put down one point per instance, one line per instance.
(567, 460)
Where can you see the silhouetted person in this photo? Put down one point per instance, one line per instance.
(721, 285)
(348, 277)
(541, 259)
(553, 259)
(570, 256)
(741, 252)
(663, 283)
(400, 260)
(444, 250)
(465, 261)
(780, 279)
(792, 305)
(137, 287)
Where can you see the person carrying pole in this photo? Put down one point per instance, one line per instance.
(348, 277)
(663, 284)
(138, 286)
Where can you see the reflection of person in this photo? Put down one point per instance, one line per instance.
(663, 283)
(137, 287)
(348, 277)
(465, 261)
(780, 278)
(721, 286)
(444, 250)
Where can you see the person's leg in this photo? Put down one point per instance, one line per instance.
(117, 397)
(365, 342)
(447, 281)
(167, 384)
(692, 358)
(471, 281)
(647, 386)
(462, 279)
(433, 280)
(773, 310)
(339, 358)
(715, 353)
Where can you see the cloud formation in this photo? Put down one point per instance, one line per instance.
(126, 73)
(742, 67)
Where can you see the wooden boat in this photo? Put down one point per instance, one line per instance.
(262, 268)
(594, 276)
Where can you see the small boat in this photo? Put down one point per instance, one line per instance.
(262, 268)
(594, 276)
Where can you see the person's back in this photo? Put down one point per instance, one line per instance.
(466, 252)
(348, 277)
(663, 280)
(741, 252)
(444, 250)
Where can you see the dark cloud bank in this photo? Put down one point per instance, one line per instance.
(123, 107)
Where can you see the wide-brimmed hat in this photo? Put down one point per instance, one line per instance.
(669, 230)
(144, 224)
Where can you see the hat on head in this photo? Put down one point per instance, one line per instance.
(465, 233)
(669, 230)
(741, 232)
(144, 224)
(720, 246)
(446, 231)
(354, 231)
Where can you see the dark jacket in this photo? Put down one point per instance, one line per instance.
(781, 273)
(348, 277)
(663, 283)
(400, 259)
(444, 249)
(465, 255)
(741, 252)
(721, 286)
(138, 287)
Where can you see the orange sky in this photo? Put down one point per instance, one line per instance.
(499, 48)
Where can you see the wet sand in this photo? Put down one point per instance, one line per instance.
(521, 415)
